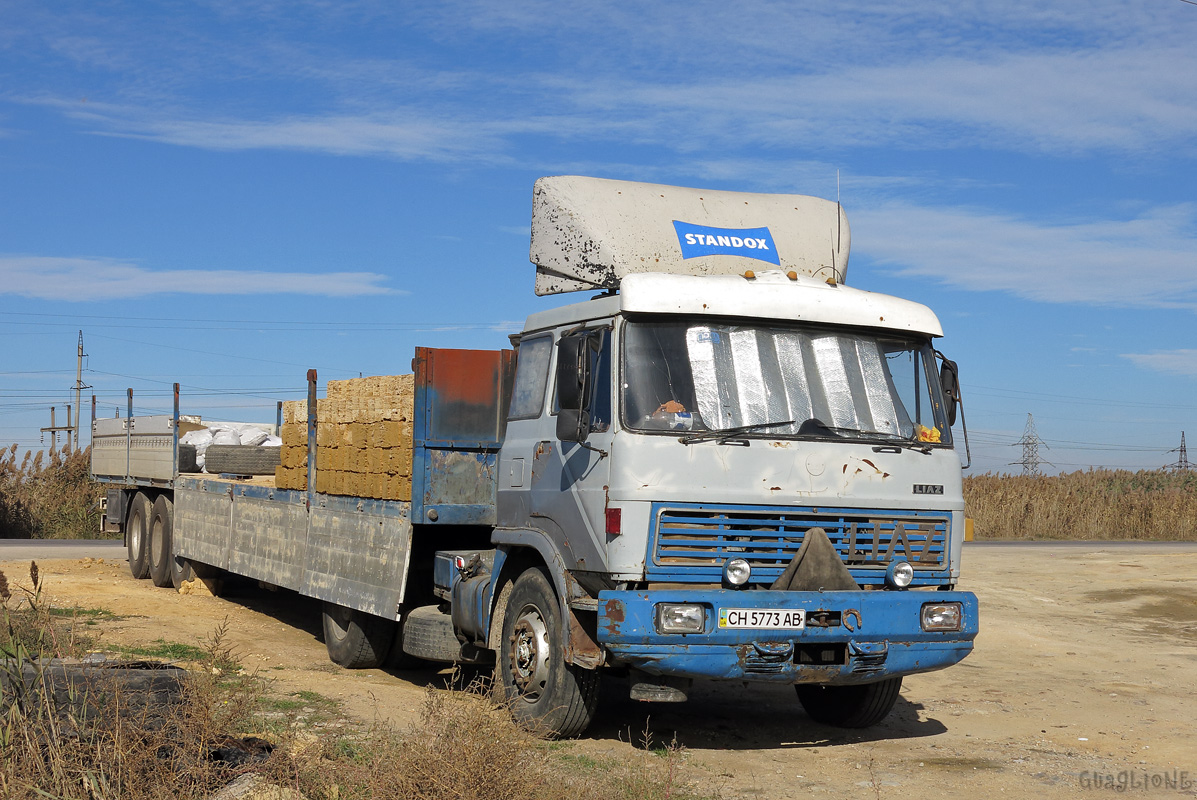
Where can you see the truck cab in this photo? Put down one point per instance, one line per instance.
(726, 471)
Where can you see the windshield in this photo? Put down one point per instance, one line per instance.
(780, 381)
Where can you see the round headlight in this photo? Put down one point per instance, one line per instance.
(736, 572)
(900, 574)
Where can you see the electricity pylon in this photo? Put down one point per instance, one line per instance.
(1030, 442)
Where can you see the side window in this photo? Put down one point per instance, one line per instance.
(600, 400)
(600, 388)
(531, 377)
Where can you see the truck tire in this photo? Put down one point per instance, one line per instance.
(137, 536)
(355, 639)
(181, 570)
(160, 551)
(858, 706)
(428, 635)
(237, 459)
(187, 458)
(551, 697)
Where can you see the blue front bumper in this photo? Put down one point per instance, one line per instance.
(863, 636)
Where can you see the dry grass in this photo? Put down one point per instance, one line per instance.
(465, 746)
(48, 496)
(1094, 505)
(96, 736)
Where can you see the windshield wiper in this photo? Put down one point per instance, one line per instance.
(723, 434)
(897, 440)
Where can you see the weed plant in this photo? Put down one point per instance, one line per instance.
(48, 496)
(1093, 505)
(466, 747)
(77, 733)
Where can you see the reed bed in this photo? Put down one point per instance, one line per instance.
(48, 495)
(1153, 505)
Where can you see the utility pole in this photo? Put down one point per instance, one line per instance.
(79, 386)
(1030, 442)
(54, 429)
(1182, 462)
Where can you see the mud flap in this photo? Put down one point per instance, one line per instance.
(816, 567)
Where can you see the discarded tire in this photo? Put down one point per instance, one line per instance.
(86, 690)
(236, 459)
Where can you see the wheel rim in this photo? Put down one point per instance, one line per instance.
(530, 654)
(157, 545)
(135, 533)
(338, 619)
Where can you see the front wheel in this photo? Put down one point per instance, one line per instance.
(543, 692)
(857, 706)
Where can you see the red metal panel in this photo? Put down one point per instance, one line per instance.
(464, 393)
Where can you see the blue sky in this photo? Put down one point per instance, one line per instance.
(225, 194)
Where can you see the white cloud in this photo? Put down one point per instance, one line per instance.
(406, 134)
(1061, 100)
(1146, 261)
(82, 279)
(1098, 99)
(1173, 362)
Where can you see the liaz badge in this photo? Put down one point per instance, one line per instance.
(703, 240)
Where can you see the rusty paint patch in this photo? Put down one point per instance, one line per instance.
(808, 673)
(583, 650)
(614, 611)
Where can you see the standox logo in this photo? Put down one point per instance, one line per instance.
(702, 240)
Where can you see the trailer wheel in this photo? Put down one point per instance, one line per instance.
(543, 692)
(355, 639)
(136, 535)
(858, 706)
(160, 552)
(181, 569)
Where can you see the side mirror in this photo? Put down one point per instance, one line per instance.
(949, 382)
(573, 386)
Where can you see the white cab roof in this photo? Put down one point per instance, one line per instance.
(589, 233)
(771, 295)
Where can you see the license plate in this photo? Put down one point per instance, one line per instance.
(772, 619)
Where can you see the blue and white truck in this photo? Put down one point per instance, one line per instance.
(726, 464)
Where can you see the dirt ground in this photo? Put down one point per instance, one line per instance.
(1083, 682)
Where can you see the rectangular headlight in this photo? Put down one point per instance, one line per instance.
(680, 618)
(942, 616)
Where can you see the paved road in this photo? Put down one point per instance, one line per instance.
(33, 549)
(1184, 547)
